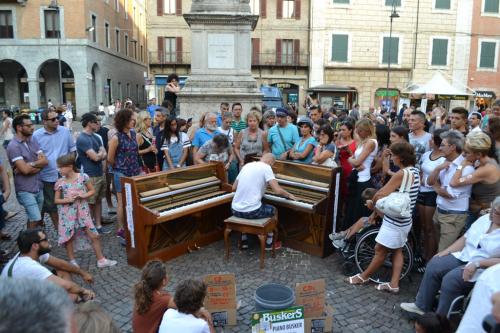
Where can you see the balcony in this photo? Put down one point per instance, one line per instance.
(273, 59)
(21, 2)
(170, 58)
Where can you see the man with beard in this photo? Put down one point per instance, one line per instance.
(34, 249)
(205, 133)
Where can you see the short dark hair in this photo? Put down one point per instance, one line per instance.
(405, 152)
(327, 129)
(401, 131)
(461, 111)
(236, 104)
(315, 107)
(45, 113)
(321, 121)
(368, 193)
(19, 120)
(27, 238)
(224, 104)
(172, 77)
(477, 114)
(88, 118)
(420, 114)
(436, 136)
(221, 141)
(189, 295)
(122, 118)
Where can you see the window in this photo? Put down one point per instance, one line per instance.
(94, 25)
(51, 18)
(287, 51)
(255, 7)
(117, 39)
(390, 53)
(288, 8)
(341, 1)
(117, 5)
(125, 8)
(487, 54)
(170, 50)
(142, 54)
(6, 26)
(442, 4)
(106, 31)
(491, 6)
(169, 6)
(126, 45)
(340, 47)
(439, 52)
(396, 3)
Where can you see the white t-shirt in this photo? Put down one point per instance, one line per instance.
(186, 143)
(427, 166)
(229, 133)
(174, 321)
(252, 183)
(364, 175)
(27, 268)
(420, 143)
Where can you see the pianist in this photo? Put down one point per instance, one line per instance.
(250, 186)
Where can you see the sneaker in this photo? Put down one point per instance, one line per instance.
(106, 263)
(74, 263)
(244, 244)
(411, 307)
(269, 246)
(103, 231)
(337, 235)
(338, 243)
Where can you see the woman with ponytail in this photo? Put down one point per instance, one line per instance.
(151, 301)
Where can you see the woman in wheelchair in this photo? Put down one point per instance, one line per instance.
(454, 270)
(393, 231)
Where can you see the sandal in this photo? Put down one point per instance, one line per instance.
(387, 287)
(351, 279)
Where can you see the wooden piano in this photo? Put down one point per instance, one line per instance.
(306, 223)
(174, 212)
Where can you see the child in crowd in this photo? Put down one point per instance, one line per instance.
(431, 322)
(75, 221)
(189, 317)
(338, 239)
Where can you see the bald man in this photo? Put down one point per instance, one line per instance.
(250, 186)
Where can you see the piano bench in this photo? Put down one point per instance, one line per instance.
(259, 227)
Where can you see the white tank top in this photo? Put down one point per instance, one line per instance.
(365, 175)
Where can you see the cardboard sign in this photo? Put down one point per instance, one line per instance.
(311, 295)
(221, 291)
(290, 320)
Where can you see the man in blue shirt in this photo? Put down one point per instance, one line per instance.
(152, 107)
(55, 141)
(283, 135)
(206, 133)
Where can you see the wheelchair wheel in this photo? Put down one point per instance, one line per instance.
(365, 251)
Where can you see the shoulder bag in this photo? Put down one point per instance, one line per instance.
(398, 204)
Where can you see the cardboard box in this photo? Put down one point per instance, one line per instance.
(318, 316)
(221, 299)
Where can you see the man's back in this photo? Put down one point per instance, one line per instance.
(252, 182)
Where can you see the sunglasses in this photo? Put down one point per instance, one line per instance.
(51, 119)
(42, 240)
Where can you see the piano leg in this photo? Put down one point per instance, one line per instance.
(275, 239)
(262, 239)
(227, 231)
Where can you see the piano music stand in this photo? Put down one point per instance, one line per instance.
(259, 227)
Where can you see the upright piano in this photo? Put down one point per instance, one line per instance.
(305, 224)
(174, 212)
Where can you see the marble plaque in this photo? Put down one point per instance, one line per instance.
(220, 51)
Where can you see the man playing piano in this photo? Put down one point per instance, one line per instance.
(250, 186)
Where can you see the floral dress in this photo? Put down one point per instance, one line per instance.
(74, 217)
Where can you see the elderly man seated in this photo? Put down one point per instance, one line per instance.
(454, 270)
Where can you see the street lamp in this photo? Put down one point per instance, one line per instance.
(393, 15)
(55, 6)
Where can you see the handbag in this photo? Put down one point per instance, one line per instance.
(397, 204)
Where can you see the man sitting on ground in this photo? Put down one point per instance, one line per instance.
(34, 250)
(250, 186)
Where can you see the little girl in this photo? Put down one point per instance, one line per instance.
(75, 220)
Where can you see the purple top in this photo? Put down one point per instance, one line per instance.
(28, 151)
(127, 155)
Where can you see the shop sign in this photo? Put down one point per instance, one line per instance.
(485, 94)
(385, 92)
(284, 85)
(453, 97)
(290, 320)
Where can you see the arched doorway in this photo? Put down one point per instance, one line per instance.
(97, 89)
(13, 84)
(49, 71)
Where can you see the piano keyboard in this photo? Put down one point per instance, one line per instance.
(297, 203)
(196, 204)
(178, 191)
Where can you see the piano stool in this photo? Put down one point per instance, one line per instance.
(259, 227)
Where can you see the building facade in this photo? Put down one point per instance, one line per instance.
(352, 45)
(280, 45)
(100, 47)
(484, 76)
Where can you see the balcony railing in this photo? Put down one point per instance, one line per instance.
(170, 58)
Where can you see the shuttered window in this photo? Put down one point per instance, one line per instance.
(340, 46)
(396, 3)
(394, 50)
(439, 52)
(442, 4)
(491, 6)
(487, 56)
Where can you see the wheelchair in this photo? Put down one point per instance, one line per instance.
(360, 249)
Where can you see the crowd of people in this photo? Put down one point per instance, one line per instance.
(446, 161)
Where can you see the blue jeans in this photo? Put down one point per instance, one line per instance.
(32, 203)
(265, 210)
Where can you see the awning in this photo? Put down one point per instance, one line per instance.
(331, 88)
(438, 85)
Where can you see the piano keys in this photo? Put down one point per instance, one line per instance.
(174, 212)
(306, 223)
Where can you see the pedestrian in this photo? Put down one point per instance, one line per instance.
(269, 120)
(237, 123)
(325, 153)
(71, 194)
(283, 135)
(171, 90)
(146, 142)
(4, 196)
(68, 115)
(206, 132)
(55, 140)
(418, 137)
(7, 132)
(303, 150)
(91, 318)
(252, 141)
(217, 149)
(175, 145)
(27, 160)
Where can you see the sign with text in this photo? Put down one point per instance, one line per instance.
(221, 291)
(311, 295)
(220, 51)
(290, 320)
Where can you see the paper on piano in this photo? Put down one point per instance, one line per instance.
(130, 216)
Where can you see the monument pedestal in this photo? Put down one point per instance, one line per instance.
(221, 58)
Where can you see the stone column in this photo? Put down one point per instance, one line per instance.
(82, 89)
(34, 93)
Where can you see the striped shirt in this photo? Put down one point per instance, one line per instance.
(238, 126)
(402, 222)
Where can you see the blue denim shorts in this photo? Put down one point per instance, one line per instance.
(116, 181)
(32, 203)
(265, 210)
